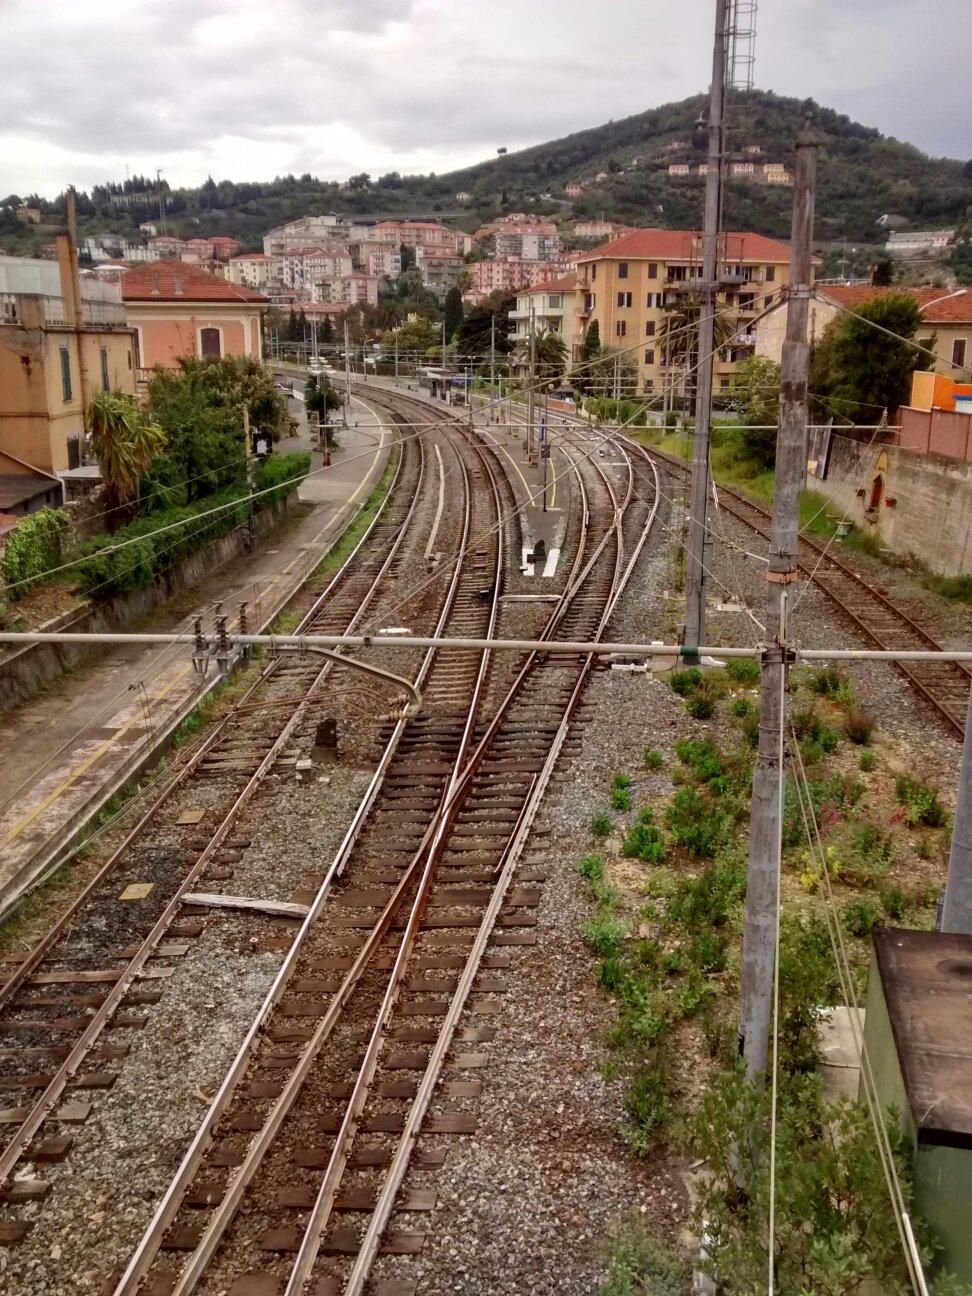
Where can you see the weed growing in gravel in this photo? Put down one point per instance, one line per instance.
(832, 683)
(685, 681)
(619, 780)
(893, 903)
(644, 841)
(620, 798)
(639, 1265)
(591, 867)
(865, 850)
(653, 758)
(602, 825)
(696, 823)
(604, 935)
(867, 761)
(858, 725)
(701, 704)
(743, 670)
(815, 736)
(647, 1107)
(859, 916)
(921, 802)
(741, 707)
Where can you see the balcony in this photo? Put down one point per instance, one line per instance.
(97, 313)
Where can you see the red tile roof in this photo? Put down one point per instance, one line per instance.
(566, 283)
(181, 281)
(681, 245)
(937, 305)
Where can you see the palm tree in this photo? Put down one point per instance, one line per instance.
(125, 443)
(678, 336)
(549, 355)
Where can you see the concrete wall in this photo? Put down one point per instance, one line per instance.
(923, 502)
(23, 672)
(169, 332)
(936, 431)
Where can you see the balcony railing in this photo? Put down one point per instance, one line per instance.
(97, 314)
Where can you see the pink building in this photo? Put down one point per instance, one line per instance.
(427, 234)
(513, 273)
(178, 309)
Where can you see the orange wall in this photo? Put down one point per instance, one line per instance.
(166, 335)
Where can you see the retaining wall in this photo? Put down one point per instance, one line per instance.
(920, 505)
(28, 669)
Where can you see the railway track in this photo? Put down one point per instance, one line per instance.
(306, 1154)
(101, 960)
(883, 623)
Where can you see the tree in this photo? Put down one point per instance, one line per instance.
(756, 389)
(125, 443)
(408, 257)
(477, 333)
(199, 406)
(452, 312)
(416, 336)
(358, 183)
(591, 346)
(883, 273)
(859, 371)
(549, 355)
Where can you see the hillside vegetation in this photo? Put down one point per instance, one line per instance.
(863, 176)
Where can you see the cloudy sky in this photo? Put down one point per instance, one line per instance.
(249, 89)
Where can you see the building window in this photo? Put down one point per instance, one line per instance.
(724, 383)
(209, 344)
(622, 269)
(65, 374)
(105, 380)
(770, 274)
(655, 301)
(590, 301)
(554, 301)
(650, 357)
(620, 328)
(649, 384)
(624, 299)
(649, 328)
(652, 269)
(593, 272)
(958, 351)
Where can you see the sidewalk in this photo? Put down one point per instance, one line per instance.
(68, 750)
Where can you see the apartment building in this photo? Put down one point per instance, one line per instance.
(305, 232)
(63, 336)
(531, 240)
(440, 271)
(302, 267)
(555, 306)
(632, 285)
(255, 270)
(426, 234)
(352, 289)
(602, 229)
(379, 259)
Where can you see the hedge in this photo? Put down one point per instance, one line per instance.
(34, 547)
(282, 471)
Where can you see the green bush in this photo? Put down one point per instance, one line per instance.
(604, 936)
(893, 902)
(864, 850)
(34, 546)
(741, 707)
(602, 825)
(591, 868)
(695, 823)
(832, 683)
(921, 802)
(743, 670)
(620, 798)
(644, 841)
(647, 1107)
(867, 761)
(858, 725)
(706, 902)
(685, 681)
(639, 1265)
(619, 780)
(283, 471)
(708, 952)
(701, 704)
(859, 916)
(653, 758)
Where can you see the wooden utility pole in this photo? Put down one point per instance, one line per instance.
(957, 909)
(699, 495)
(763, 876)
(533, 362)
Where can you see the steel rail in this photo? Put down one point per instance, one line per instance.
(381, 1213)
(67, 916)
(147, 1248)
(44, 1103)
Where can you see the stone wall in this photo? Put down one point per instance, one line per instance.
(920, 505)
(28, 669)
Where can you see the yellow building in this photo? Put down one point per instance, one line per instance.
(556, 308)
(634, 286)
(61, 340)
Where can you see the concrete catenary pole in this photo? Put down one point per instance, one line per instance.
(957, 908)
(347, 375)
(492, 361)
(533, 365)
(699, 493)
(762, 884)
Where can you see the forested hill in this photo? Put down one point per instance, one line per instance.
(863, 175)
